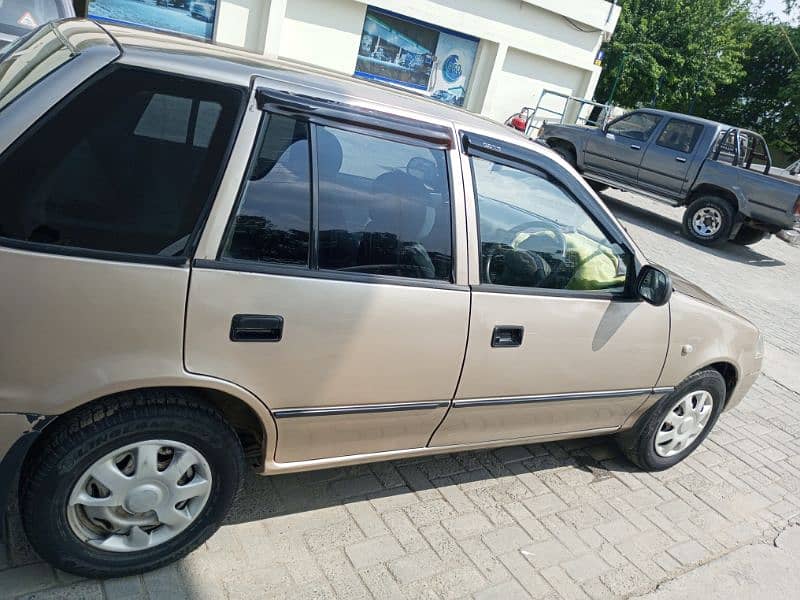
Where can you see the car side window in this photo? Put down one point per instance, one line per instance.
(273, 220)
(680, 136)
(384, 206)
(127, 165)
(637, 126)
(534, 234)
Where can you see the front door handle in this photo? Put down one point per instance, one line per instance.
(256, 328)
(507, 336)
(680, 159)
(635, 147)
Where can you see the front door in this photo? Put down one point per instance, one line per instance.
(667, 162)
(618, 152)
(555, 346)
(332, 295)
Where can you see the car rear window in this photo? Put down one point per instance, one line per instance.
(29, 61)
(18, 17)
(126, 165)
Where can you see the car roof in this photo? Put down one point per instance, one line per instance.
(685, 117)
(217, 62)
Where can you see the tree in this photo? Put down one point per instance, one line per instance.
(767, 97)
(675, 50)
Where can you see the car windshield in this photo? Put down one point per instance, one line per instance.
(18, 17)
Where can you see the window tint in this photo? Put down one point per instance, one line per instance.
(29, 61)
(534, 234)
(681, 136)
(113, 169)
(384, 207)
(273, 221)
(637, 126)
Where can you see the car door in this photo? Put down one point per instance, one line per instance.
(617, 152)
(332, 294)
(556, 343)
(667, 162)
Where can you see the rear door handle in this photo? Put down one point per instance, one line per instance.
(507, 336)
(635, 147)
(256, 328)
(680, 159)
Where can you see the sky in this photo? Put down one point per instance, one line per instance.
(776, 6)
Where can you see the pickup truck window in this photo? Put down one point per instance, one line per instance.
(127, 165)
(534, 234)
(637, 126)
(680, 136)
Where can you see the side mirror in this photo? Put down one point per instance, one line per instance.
(654, 285)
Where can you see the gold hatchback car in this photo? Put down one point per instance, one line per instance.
(210, 261)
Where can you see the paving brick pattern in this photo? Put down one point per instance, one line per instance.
(560, 520)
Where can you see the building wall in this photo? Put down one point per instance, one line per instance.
(526, 45)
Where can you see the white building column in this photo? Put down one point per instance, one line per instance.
(275, 16)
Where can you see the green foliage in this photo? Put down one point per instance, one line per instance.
(679, 50)
(767, 97)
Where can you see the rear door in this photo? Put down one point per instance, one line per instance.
(327, 285)
(556, 344)
(667, 162)
(618, 153)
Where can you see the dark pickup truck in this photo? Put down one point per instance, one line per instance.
(722, 174)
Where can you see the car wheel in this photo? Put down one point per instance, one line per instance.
(709, 221)
(747, 236)
(597, 186)
(567, 153)
(129, 484)
(677, 424)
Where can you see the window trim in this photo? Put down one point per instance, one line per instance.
(517, 158)
(312, 266)
(694, 143)
(630, 114)
(131, 257)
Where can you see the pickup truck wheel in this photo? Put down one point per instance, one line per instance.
(747, 236)
(709, 221)
(130, 484)
(677, 424)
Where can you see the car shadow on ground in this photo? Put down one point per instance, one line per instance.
(671, 228)
(516, 472)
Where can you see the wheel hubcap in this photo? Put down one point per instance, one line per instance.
(683, 423)
(139, 496)
(707, 221)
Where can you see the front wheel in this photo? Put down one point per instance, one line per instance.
(677, 424)
(709, 221)
(130, 484)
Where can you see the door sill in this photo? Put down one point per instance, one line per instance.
(626, 187)
(273, 468)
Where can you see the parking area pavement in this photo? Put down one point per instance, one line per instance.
(557, 520)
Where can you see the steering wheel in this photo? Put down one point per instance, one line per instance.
(526, 255)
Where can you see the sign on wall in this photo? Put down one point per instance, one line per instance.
(417, 55)
(187, 17)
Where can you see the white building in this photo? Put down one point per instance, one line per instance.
(490, 56)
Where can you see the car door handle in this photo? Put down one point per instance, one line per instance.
(507, 336)
(256, 328)
(635, 147)
(680, 159)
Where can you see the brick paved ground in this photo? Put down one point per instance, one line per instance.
(565, 520)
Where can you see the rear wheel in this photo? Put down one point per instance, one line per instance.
(747, 236)
(130, 484)
(677, 424)
(709, 221)
(597, 186)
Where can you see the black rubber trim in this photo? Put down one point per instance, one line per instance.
(491, 288)
(147, 259)
(503, 401)
(326, 411)
(301, 104)
(303, 271)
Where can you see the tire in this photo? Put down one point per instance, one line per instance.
(567, 153)
(747, 236)
(719, 225)
(639, 443)
(78, 441)
(597, 186)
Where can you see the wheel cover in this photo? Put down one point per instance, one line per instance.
(707, 221)
(683, 423)
(139, 496)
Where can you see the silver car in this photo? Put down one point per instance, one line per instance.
(210, 263)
